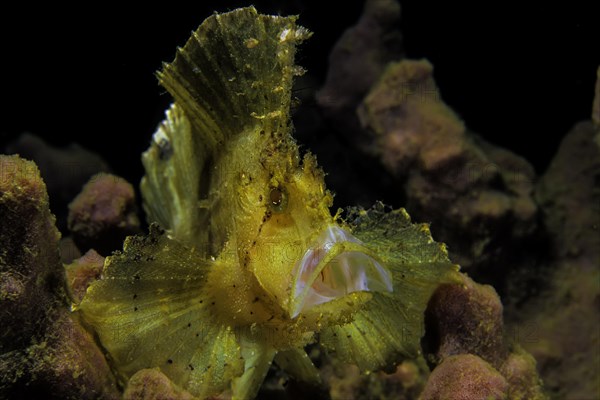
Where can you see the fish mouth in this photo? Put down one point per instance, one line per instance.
(335, 265)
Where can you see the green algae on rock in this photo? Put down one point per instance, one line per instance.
(29, 258)
(44, 352)
(251, 265)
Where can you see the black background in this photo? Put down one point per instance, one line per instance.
(521, 77)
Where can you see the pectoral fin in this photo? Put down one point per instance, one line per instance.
(151, 309)
(257, 359)
(297, 363)
(389, 327)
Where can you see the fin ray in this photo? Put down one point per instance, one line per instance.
(151, 309)
(389, 327)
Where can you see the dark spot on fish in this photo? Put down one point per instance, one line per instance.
(136, 277)
(251, 312)
(197, 334)
(272, 316)
(334, 334)
(189, 324)
(348, 336)
(135, 308)
(262, 132)
(255, 300)
(212, 304)
(191, 367)
(234, 285)
(260, 198)
(134, 296)
(165, 150)
(201, 301)
(170, 361)
(225, 364)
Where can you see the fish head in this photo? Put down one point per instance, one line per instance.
(300, 254)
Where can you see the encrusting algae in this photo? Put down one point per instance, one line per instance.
(244, 263)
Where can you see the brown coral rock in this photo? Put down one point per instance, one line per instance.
(564, 329)
(519, 369)
(44, 353)
(29, 259)
(82, 272)
(359, 57)
(465, 377)
(477, 196)
(464, 319)
(64, 170)
(103, 214)
(69, 365)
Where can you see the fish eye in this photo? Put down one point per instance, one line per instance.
(278, 199)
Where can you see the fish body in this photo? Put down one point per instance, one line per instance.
(244, 263)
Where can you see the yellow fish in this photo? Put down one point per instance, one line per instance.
(245, 264)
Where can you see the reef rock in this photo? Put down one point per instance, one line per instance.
(465, 377)
(30, 269)
(477, 196)
(44, 353)
(82, 272)
(64, 170)
(560, 327)
(103, 214)
(467, 319)
(357, 60)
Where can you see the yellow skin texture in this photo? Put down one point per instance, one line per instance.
(217, 295)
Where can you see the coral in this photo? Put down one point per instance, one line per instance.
(103, 214)
(466, 318)
(520, 372)
(69, 365)
(478, 196)
(151, 384)
(465, 377)
(64, 170)
(572, 179)
(43, 351)
(30, 269)
(359, 57)
(82, 272)
(560, 327)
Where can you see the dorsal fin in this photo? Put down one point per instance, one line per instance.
(233, 76)
(236, 68)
